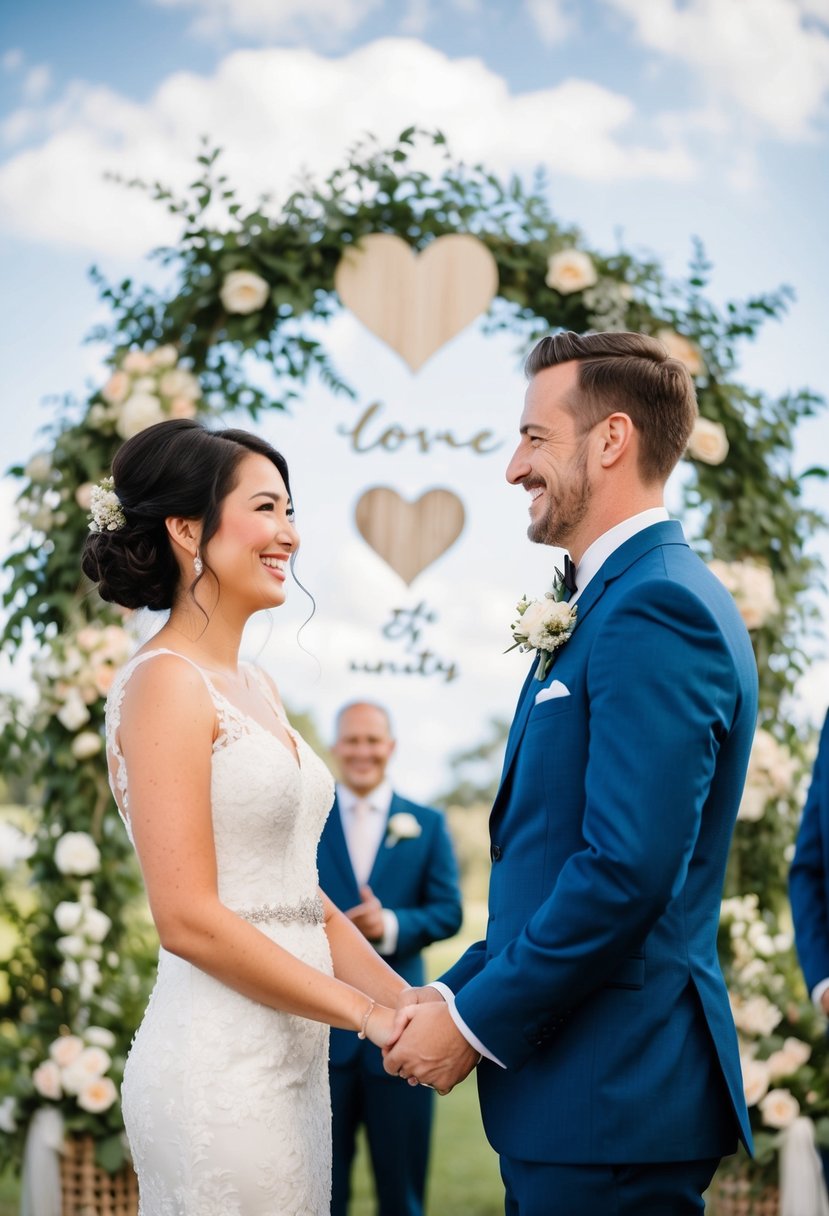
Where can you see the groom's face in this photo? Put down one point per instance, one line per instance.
(550, 461)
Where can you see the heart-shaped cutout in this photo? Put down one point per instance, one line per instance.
(409, 536)
(417, 302)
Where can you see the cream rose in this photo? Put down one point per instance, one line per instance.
(793, 1055)
(137, 362)
(752, 586)
(116, 388)
(532, 617)
(65, 1049)
(97, 1095)
(570, 270)
(83, 495)
(39, 468)
(73, 714)
(99, 1036)
(244, 292)
(756, 1015)
(708, 442)
(68, 916)
(755, 1080)
(77, 853)
(137, 413)
(180, 383)
(46, 1080)
(779, 1108)
(682, 349)
(182, 407)
(164, 356)
(86, 744)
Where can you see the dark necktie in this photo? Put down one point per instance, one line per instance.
(570, 575)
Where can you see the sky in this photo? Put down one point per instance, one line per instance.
(655, 123)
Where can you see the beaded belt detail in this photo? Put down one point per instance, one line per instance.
(306, 912)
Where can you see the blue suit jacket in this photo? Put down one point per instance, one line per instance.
(598, 984)
(809, 877)
(416, 878)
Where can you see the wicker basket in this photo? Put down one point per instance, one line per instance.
(737, 1194)
(87, 1190)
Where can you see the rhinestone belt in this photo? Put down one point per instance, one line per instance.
(306, 912)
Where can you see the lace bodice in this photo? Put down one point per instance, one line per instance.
(266, 800)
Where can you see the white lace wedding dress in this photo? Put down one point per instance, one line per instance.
(225, 1101)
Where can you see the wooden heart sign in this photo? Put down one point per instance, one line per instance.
(409, 536)
(417, 302)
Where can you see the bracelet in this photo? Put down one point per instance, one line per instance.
(361, 1033)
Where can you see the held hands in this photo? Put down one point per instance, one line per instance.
(367, 915)
(426, 1047)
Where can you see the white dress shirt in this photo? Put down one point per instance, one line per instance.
(594, 558)
(374, 825)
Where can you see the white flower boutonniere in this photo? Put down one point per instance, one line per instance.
(544, 625)
(402, 826)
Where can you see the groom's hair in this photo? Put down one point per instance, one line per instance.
(631, 374)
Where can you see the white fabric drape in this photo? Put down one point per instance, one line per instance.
(40, 1183)
(802, 1189)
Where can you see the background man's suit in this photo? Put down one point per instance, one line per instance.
(417, 879)
(598, 984)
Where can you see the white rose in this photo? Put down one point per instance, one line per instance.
(39, 467)
(68, 916)
(71, 946)
(402, 826)
(752, 586)
(97, 1095)
(137, 413)
(779, 1108)
(570, 270)
(14, 846)
(753, 803)
(46, 1080)
(77, 853)
(755, 1080)
(757, 1015)
(99, 1036)
(683, 350)
(96, 924)
(708, 442)
(90, 978)
(137, 362)
(244, 292)
(102, 678)
(65, 1050)
(532, 617)
(8, 1115)
(73, 714)
(86, 744)
(180, 383)
(116, 388)
(164, 356)
(83, 495)
(792, 1056)
(144, 384)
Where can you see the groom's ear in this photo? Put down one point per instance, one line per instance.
(618, 439)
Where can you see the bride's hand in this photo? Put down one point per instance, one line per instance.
(381, 1025)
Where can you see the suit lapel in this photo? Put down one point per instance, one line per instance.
(334, 839)
(381, 858)
(620, 560)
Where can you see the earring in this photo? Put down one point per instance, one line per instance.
(198, 566)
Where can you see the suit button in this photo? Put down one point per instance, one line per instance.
(495, 852)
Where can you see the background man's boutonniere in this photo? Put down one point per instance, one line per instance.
(402, 826)
(543, 625)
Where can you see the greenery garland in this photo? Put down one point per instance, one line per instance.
(255, 284)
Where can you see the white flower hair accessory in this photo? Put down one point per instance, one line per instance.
(105, 510)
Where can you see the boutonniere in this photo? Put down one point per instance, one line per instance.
(544, 625)
(402, 826)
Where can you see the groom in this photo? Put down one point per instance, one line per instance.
(611, 1079)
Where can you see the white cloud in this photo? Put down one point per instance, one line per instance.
(12, 59)
(37, 83)
(765, 55)
(417, 17)
(286, 20)
(277, 110)
(551, 18)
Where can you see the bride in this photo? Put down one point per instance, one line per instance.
(225, 1094)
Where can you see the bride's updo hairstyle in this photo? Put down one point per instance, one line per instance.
(175, 468)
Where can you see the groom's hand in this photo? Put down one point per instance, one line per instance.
(430, 1050)
(368, 915)
(418, 996)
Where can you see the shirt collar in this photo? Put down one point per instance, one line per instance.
(597, 554)
(378, 800)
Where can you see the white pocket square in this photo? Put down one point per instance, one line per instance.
(556, 689)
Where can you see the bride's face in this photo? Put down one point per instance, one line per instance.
(250, 549)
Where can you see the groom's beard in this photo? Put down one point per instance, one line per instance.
(566, 511)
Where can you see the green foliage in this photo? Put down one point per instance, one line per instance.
(190, 348)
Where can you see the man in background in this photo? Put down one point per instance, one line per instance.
(389, 864)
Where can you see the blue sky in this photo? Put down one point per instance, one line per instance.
(659, 121)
